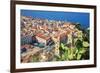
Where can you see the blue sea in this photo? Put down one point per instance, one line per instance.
(75, 17)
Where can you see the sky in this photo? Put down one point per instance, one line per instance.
(75, 17)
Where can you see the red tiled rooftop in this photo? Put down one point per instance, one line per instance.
(43, 36)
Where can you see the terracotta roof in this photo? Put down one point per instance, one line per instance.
(45, 27)
(43, 36)
(60, 34)
(68, 24)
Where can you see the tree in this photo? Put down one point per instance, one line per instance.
(78, 26)
(86, 35)
(79, 44)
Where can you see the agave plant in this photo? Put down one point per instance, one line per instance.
(75, 53)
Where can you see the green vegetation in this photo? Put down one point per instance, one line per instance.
(79, 49)
(35, 59)
(78, 26)
(76, 53)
